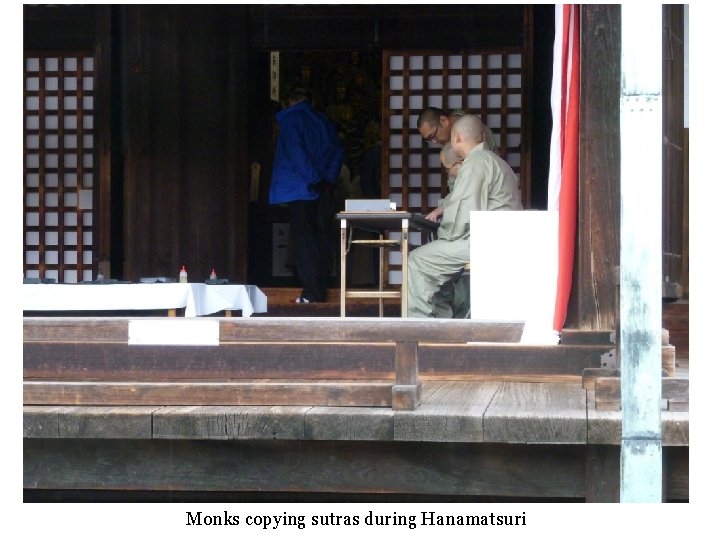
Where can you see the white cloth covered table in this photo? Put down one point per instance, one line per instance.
(197, 298)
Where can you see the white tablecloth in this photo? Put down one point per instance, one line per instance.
(197, 298)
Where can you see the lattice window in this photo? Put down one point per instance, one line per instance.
(59, 166)
(487, 83)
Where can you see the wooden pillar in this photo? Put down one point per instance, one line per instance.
(592, 302)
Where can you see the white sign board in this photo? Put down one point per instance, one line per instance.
(513, 276)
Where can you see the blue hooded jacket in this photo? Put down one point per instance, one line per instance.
(308, 150)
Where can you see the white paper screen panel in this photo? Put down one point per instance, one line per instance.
(59, 175)
(487, 83)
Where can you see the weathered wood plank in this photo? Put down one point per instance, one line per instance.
(608, 389)
(88, 422)
(313, 466)
(283, 329)
(602, 477)
(322, 360)
(536, 413)
(349, 424)
(41, 421)
(451, 411)
(243, 422)
(605, 427)
(330, 393)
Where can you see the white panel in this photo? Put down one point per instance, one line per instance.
(32, 238)
(395, 257)
(51, 257)
(521, 240)
(88, 122)
(32, 142)
(397, 199)
(416, 82)
(495, 81)
(70, 257)
(455, 102)
(394, 277)
(51, 161)
(455, 62)
(70, 103)
(434, 180)
(51, 103)
(494, 61)
(87, 84)
(51, 121)
(475, 61)
(513, 140)
(415, 238)
(433, 200)
(494, 101)
(514, 81)
(32, 64)
(32, 219)
(397, 82)
(416, 102)
(415, 161)
(51, 199)
(87, 275)
(396, 103)
(455, 82)
(396, 180)
(88, 180)
(70, 161)
(51, 84)
(514, 100)
(51, 219)
(514, 61)
(88, 63)
(51, 142)
(513, 159)
(70, 180)
(396, 62)
(51, 274)
(70, 64)
(415, 180)
(396, 141)
(51, 238)
(70, 238)
(87, 258)
(32, 200)
(415, 200)
(87, 219)
(415, 139)
(396, 121)
(33, 273)
(435, 62)
(87, 238)
(32, 257)
(32, 179)
(32, 103)
(475, 101)
(493, 121)
(435, 101)
(434, 158)
(70, 84)
(32, 84)
(475, 81)
(435, 82)
(32, 122)
(70, 219)
(86, 199)
(32, 161)
(87, 103)
(417, 62)
(513, 120)
(87, 161)
(70, 199)
(395, 161)
(70, 276)
(70, 141)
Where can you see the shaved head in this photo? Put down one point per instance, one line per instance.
(470, 128)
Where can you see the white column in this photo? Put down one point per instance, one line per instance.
(641, 252)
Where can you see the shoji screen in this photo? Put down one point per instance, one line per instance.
(58, 166)
(487, 83)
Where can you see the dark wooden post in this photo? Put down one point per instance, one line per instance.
(592, 302)
(406, 390)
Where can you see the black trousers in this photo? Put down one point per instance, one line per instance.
(311, 225)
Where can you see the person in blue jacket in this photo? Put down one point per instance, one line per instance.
(308, 158)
